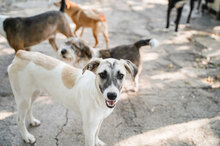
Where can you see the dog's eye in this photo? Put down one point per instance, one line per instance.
(103, 75)
(120, 76)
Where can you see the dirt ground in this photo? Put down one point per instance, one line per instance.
(178, 103)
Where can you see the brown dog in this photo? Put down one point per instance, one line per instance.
(24, 32)
(87, 18)
(77, 53)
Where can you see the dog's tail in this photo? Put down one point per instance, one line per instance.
(62, 7)
(151, 42)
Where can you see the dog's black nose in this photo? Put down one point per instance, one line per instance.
(111, 95)
(63, 51)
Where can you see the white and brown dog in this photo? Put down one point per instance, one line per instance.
(77, 53)
(102, 79)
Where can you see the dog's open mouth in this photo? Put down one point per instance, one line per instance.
(110, 103)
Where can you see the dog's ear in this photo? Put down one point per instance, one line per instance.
(67, 4)
(86, 50)
(83, 47)
(78, 42)
(58, 4)
(92, 65)
(130, 67)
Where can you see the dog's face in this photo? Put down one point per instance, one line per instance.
(75, 52)
(110, 76)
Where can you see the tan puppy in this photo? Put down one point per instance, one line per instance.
(24, 32)
(87, 18)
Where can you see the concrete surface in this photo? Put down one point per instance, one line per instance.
(179, 99)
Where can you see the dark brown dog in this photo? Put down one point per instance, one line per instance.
(77, 53)
(24, 32)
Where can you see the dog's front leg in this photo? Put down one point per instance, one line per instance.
(168, 16)
(98, 142)
(81, 34)
(191, 9)
(136, 80)
(77, 27)
(95, 35)
(179, 12)
(198, 6)
(90, 127)
(53, 43)
(22, 111)
(105, 33)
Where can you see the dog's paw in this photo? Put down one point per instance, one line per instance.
(187, 25)
(165, 29)
(35, 123)
(28, 138)
(136, 89)
(172, 23)
(176, 33)
(99, 142)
